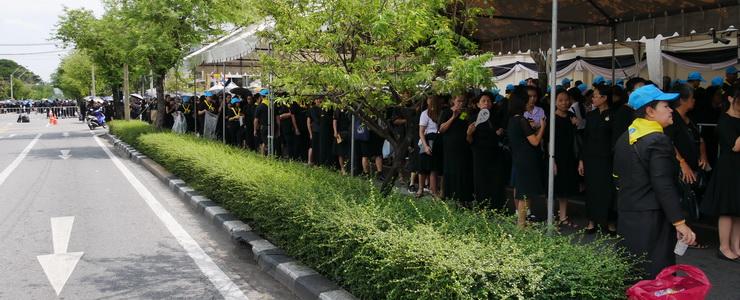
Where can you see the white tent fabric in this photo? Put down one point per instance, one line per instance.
(237, 44)
(632, 71)
(216, 88)
(579, 66)
(697, 66)
(654, 56)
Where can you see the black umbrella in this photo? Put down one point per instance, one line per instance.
(243, 92)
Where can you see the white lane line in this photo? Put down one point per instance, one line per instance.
(220, 280)
(9, 169)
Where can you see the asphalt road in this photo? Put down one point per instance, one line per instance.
(76, 221)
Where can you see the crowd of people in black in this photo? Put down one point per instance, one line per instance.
(61, 108)
(471, 147)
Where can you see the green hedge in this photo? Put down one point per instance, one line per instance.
(128, 131)
(396, 247)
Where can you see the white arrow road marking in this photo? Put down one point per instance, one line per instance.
(218, 278)
(9, 169)
(66, 134)
(59, 266)
(65, 154)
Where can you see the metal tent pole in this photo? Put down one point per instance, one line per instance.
(271, 113)
(352, 148)
(223, 105)
(193, 103)
(551, 146)
(614, 53)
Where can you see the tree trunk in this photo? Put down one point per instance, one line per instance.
(118, 108)
(126, 104)
(400, 152)
(159, 84)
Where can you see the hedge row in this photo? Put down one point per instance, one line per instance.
(394, 247)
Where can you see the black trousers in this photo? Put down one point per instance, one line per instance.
(649, 234)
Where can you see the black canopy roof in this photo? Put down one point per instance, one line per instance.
(525, 24)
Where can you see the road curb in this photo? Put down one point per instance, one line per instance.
(302, 280)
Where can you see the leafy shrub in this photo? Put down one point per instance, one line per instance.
(128, 131)
(395, 247)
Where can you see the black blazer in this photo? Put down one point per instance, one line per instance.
(646, 173)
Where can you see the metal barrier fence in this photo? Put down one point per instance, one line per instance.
(59, 111)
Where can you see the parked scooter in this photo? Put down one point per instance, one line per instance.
(95, 118)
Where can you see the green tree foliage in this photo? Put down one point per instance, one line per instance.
(164, 30)
(74, 76)
(23, 81)
(370, 55)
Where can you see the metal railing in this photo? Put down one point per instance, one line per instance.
(59, 111)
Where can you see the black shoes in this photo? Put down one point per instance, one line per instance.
(722, 256)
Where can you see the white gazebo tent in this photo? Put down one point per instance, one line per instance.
(244, 43)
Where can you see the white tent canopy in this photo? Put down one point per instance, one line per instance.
(239, 43)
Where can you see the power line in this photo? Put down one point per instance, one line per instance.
(34, 53)
(28, 44)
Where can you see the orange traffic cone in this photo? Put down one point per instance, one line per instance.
(53, 120)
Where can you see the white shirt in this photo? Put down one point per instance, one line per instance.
(425, 120)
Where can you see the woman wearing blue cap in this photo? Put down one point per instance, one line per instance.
(186, 108)
(233, 116)
(206, 104)
(722, 197)
(650, 216)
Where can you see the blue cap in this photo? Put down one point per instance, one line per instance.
(608, 82)
(647, 94)
(583, 87)
(731, 70)
(498, 98)
(565, 81)
(235, 100)
(522, 82)
(509, 87)
(599, 80)
(208, 94)
(185, 99)
(495, 91)
(718, 81)
(695, 76)
(264, 92)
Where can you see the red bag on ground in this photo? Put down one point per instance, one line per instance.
(667, 286)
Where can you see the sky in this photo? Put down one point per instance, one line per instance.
(33, 22)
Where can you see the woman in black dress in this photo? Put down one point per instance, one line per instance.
(723, 193)
(525, 155)
(313, 122)
(488, 179)
(458, 160)
(566, 164)
(430, 157)
(596, 162)
(300, 114)
(342, 124)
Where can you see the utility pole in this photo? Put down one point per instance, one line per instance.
(11, 80)
(126, 107)
(93, 82)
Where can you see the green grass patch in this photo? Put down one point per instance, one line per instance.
(394, 247)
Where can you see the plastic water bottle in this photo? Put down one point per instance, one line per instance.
(680, 248)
